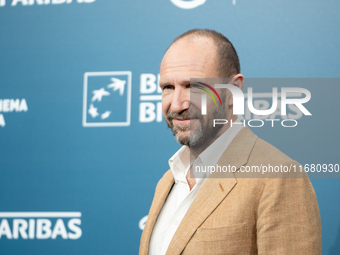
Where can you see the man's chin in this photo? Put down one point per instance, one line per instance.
(182, 137)
(189, 138)
(183, 140)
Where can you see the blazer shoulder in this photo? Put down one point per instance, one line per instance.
(267, 153)
(273, 163)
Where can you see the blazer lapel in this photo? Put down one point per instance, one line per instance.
(163, 188)
(214, 190)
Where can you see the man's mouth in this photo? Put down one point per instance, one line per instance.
(181, 121)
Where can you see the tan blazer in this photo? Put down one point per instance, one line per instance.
(237, 215)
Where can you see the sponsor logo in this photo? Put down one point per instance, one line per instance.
(42, 2)
(107, 99)
(188, 4)
(40, 225)
(150, 107)
(11, 105)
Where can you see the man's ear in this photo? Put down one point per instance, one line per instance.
(238, 81)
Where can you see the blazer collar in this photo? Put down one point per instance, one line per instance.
(214, 190)
(162, 190)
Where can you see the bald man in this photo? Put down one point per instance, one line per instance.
(222, 213)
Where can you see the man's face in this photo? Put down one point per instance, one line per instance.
(184, 60)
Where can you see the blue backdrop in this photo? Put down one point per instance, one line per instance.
(83, 142)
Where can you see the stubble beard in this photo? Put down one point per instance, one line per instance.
(203, 133)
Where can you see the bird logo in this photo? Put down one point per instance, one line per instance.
(107, 99)
(98, 95)
(117, 84)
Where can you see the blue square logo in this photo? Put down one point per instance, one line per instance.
(107, 99)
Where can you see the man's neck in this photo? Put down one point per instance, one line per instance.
(195, 151)
(191, 179)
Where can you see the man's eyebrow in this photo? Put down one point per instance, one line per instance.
(162, 84)
(184, 82)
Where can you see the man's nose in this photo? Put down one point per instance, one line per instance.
(180, 100)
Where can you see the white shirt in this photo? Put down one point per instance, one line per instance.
(181, 197)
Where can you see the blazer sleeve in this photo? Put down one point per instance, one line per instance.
(288, 220)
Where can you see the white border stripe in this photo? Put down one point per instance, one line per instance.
(151, 98)
(40, 214)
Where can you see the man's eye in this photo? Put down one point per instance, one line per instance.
(189, 86)
(168, 87)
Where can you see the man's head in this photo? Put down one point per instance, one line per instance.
(197, 54)
(228, 63)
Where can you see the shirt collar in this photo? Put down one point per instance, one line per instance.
(212, 154)
(179, 163)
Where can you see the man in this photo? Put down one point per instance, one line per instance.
(223, 213)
